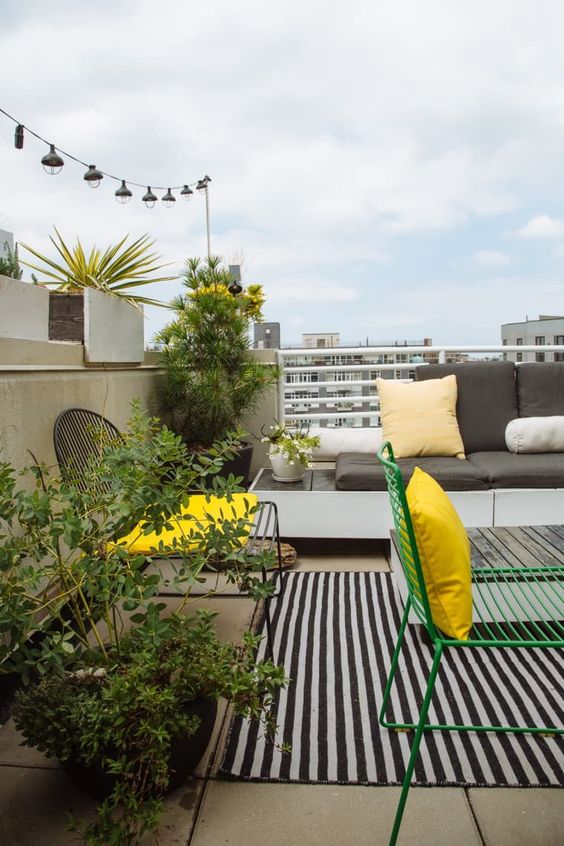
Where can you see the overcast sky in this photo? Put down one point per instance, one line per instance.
(391, 169)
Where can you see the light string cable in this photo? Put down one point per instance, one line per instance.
(94, 174)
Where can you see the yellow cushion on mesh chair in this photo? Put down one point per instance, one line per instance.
(193, 519)
(444, 551)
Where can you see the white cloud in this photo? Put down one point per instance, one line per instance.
(492, 258)
(313, 293)
(542, 226)
(558, 251)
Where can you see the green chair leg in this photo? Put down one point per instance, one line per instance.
(393, 668)
(416, 742)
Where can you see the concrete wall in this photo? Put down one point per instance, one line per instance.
(24, 310)
(265, 413)
(39, 380)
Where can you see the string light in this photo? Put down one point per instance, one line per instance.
(93, 176)
(53, 163)
(168, 199)
(149, 198)
(123, 194)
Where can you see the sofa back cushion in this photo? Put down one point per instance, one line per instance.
(540, 389)
(487, 400)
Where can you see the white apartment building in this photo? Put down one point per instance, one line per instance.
(335, 382)
(548, 329)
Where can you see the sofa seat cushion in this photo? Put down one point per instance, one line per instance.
(487, 400)
(516, 470)
(355, 471)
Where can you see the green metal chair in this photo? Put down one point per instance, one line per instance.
(513, 607)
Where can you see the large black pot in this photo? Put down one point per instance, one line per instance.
(185, 755)
(240, 465)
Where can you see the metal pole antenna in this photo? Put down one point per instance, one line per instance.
(202, 187)
(208, 233)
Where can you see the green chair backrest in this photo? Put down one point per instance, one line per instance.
(407, 544)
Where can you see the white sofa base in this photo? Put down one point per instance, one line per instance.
(367, 514)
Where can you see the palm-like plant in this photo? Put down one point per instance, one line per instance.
(117, 270)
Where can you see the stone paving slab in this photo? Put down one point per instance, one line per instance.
(35, 804)
(519, 816)
(251, 814)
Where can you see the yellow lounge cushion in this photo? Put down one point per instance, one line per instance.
(187, 529)
(444, 552)
(419, 418)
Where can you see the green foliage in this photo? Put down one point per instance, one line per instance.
(71, 589)
(294, 445)
(118, 270)
(211, 380)
(125, 717)
(9, 264)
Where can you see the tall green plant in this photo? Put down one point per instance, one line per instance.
(9, 263)
(118, 270)
(211, 380)
(109, 664)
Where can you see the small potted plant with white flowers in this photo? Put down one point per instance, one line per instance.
(290, 451)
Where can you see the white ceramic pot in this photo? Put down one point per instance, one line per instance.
(282, 471)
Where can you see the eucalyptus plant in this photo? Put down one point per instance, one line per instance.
(82, 623)
(118, 270)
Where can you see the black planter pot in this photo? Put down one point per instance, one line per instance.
(240, 465)
(185, 755)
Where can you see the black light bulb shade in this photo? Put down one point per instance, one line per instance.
(186, 192)
(52, 162)
(203, 183)
(168, 199)
(19, 137)
(123, 194)
(235, 288)
(149, 198)
(93, 176)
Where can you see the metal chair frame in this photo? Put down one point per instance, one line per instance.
(529, 616)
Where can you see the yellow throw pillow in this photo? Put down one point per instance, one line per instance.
(192, 521)
(444, 551)
(419, 418)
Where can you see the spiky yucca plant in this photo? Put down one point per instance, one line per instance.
(118, 270)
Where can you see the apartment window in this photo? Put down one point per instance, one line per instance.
(539, 340)
(539, 356)
(519, 356)
(558, 356)
(559, 339)
(519, 342)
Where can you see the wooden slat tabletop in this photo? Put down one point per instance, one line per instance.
(530, 546)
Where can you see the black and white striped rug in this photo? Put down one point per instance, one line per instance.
(335, 634)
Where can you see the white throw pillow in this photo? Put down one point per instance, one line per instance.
(341, 439)
(535, 434)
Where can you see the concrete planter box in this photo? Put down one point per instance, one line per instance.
(24, 311)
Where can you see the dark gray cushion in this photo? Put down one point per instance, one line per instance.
(540, 389)
(357, 471)
(511, 470)
(487, 400)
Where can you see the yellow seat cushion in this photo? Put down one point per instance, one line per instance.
(444, 552)
(192, 522)
(419, 418)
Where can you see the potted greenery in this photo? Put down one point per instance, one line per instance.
(290, 451)
(211, 380)
(116, 679)
(120, 270)
(9, 262)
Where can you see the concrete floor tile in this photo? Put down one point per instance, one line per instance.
(519, 816)
(35, 803)
(342, 563)
(249, 814)
(12, 753)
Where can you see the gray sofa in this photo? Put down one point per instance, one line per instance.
(490, 394)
